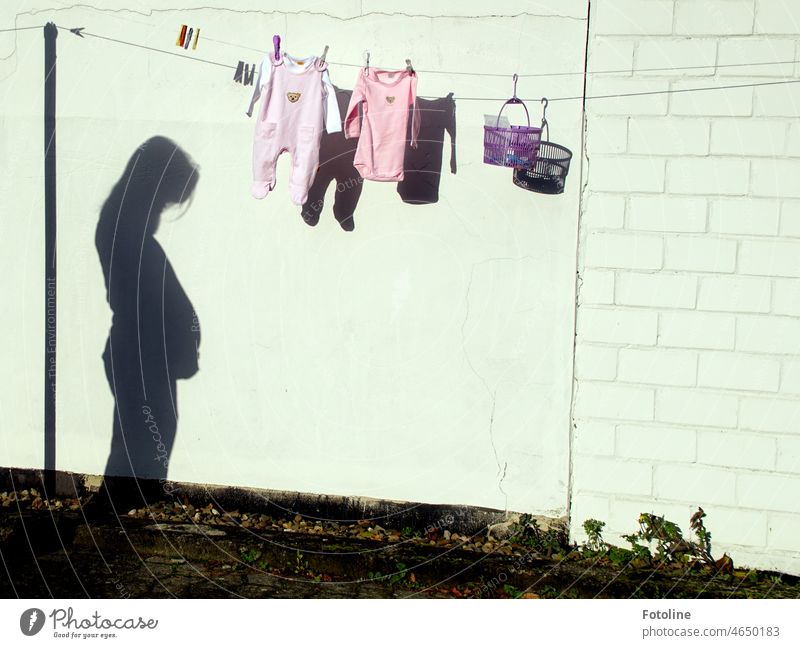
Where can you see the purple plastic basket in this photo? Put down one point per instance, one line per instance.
(516, 146)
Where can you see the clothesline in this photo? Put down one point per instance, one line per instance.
(81, 32)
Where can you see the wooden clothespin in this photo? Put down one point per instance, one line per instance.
(409, 67)
(196, 37)
(324, 54)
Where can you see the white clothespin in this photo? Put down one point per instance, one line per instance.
(366, 60)
(409, 67)
(324, 54)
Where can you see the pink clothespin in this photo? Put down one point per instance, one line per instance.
(276, 41)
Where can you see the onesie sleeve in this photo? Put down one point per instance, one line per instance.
(333, 120)
(415, 117)
(264, 77)
(352, 124)
(450, 127)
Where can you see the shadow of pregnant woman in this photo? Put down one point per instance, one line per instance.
(155, 333)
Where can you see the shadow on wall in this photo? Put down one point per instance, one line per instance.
(336, 155)
(155, 333)
(422, 167)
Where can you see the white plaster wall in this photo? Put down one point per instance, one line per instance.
(426, 356)
(688, 331)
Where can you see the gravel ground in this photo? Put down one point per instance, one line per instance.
(74, 548)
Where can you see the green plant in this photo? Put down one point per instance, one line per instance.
(594, 535)
(300, 565)
(511, 591)
(249, 554)
(667, 537)
(528, 533)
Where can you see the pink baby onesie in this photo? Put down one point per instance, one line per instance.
(385, 96)
(296, 96)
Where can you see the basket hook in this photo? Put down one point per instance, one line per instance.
(514, 99)
(545, 125)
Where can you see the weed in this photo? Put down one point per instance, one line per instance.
(594, 535)
(249, 554)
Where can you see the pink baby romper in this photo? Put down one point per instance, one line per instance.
(385, 96)
(296, 96)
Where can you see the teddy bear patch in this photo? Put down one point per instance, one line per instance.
(293, 96)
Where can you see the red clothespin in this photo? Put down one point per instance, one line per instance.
(181, 36)
(276, 41)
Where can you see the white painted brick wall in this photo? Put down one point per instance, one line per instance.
(688, 330)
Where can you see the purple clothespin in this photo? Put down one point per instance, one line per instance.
(276, 41)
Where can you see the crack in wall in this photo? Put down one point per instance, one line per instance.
(493, 395)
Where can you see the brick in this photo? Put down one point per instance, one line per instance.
(665, 213)
(790, 376)
(748, 137)
(695, 407)
(626, 174)
(601, 400)
(656, 443)
(676, 53)
(768, 334)
(770, 258)
(610, 54)
(788, 455)
(790, 218)
(668, 136)
(656, 290)
(786, 297)
(617, 326)
(697, 485)
(734, 51)
(770, 415)
(640, 104)
(784, 531)
(776, 178)
(632, 17)
(604, 211)
(658, 367)
(768, 492)
(705, 254)
(736, 450)
(737, 527)
(611, 250)
(778, 100)
(594, 438)
(738, 371)
(708, 176)
(719, 17)
(734, 294)
(730, 102)
(608, 135)
(696, 330)
(585, 507)
(595, 362)
(748, 216)
(615, 475)
(777, 17)
(596, 287)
